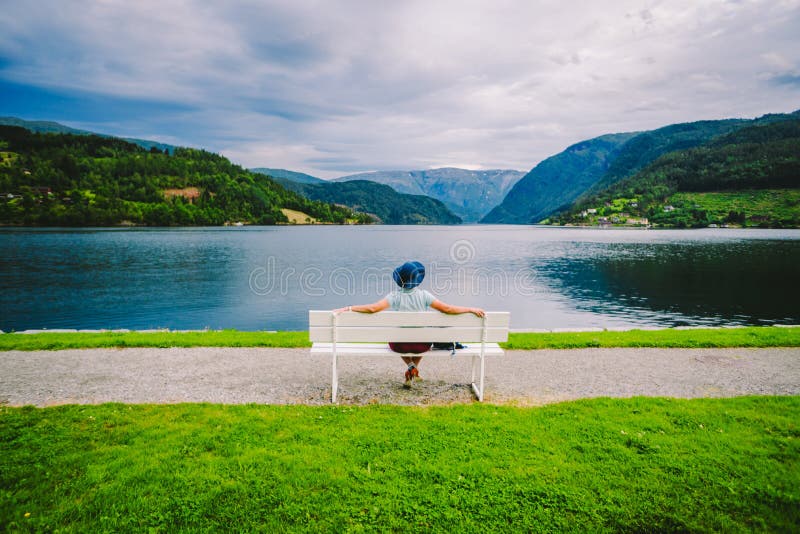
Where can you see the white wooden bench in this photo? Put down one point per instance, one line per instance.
(368, 334)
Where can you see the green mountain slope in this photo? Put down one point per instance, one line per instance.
(750, 176)
(646, 147)
(592, 166)
(55, 127)
(87, 180)
(558, 180)
(469, 194)
(384, 203)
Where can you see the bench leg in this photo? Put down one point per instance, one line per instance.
(474, 367)
(334, 379)
(478, 389)
(483, 372)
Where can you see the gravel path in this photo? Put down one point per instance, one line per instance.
(293, 376)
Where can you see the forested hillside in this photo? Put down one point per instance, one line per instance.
(86, 180)
(749, 177)
(384, 203)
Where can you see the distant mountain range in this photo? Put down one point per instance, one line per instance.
(55, 127)
(468, 194)
(386, 205)
(609, 169)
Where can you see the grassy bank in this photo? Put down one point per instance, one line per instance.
(695, 338)
(211, 338)
(622, 465)
(756, 336)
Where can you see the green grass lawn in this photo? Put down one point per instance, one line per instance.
(642, 464)
(758, 336)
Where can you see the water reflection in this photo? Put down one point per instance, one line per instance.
(743, 282)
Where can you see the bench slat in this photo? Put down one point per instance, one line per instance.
(407, 334)
(390, 318)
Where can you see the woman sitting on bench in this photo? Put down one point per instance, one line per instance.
(410, 298)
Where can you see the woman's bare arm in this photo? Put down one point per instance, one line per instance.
(365, 308)
(452, 309)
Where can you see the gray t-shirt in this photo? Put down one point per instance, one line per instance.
(415, 299)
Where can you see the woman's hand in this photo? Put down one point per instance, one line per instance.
(337, 311)
(477, 311)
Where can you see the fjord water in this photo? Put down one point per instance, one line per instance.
(267, 278)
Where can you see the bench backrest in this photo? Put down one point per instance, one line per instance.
(407, 326)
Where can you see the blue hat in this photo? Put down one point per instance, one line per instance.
(409, 275)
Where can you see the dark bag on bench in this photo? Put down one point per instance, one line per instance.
(450, 345)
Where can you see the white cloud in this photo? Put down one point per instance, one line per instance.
(777, 61)
(333, 87)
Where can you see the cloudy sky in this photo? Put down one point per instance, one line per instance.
(337, 87)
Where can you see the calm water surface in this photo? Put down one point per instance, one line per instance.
(269, 277)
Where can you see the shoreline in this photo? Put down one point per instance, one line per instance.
(567, 330)
(230, 224)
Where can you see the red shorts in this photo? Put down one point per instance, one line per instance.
(410, 348)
